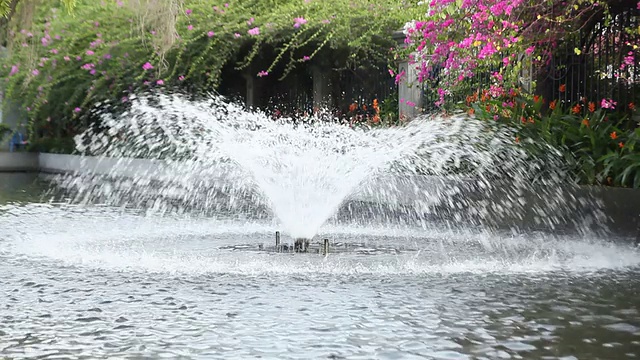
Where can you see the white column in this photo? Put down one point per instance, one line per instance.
(409, 88)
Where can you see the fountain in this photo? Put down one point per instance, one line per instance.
(154, 246)
(215, 157)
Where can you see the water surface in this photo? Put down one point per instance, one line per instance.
(97, 282)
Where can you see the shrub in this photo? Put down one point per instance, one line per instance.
(600, 144)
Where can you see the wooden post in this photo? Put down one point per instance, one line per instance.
(277, 241)
(321, 88)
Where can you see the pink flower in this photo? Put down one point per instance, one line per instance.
(181, 77)
(250, 21)
(90, 52)
(188, 12)
(160, 82)
(107, 56)
(78, 58)
(411, 103)
(236, 35)
(54, 51)
(44, 41)
(96, 24)
(147, 66)
(530, 50)
(66, 58)
(92, 72)
(35, 72)
(190, 27)
(400, 76)
(14, 70)
(124, 99)
(255, 31)
(608, 104)
(77, 110)
(392, 73)
(210, 34)
(262, 73)
(305, 58)
(299, 21)
(120, 3)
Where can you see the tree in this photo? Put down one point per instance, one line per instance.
(8, 7)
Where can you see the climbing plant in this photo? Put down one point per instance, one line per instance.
(106, 49)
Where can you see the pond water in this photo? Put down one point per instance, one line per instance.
(98, 282)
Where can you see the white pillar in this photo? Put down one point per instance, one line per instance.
(410, 99)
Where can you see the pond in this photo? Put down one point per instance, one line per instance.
(99, 282)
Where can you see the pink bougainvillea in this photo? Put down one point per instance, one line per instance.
(299, 21)
(458, 39)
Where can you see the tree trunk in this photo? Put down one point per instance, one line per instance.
(4, 22)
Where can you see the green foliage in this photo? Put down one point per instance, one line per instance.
(53, 145)
(5, 130)
(601, 146)
(6, 6)
(98, 53)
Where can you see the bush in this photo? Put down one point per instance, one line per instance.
(5, 130)
(53, 145)
(600, 142)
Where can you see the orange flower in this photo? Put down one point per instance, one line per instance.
(576, 109)
(536, 98)
(585, 122)
(552, 105)
(485, 96)
(592, 106)
(517, 139)
(632, 106)
(613, 135)
(364, 107)
(376, 119)
(471, 111)
(562, 88)
(621, 144)
(353, 107)
(531, 119)
(523, 119)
